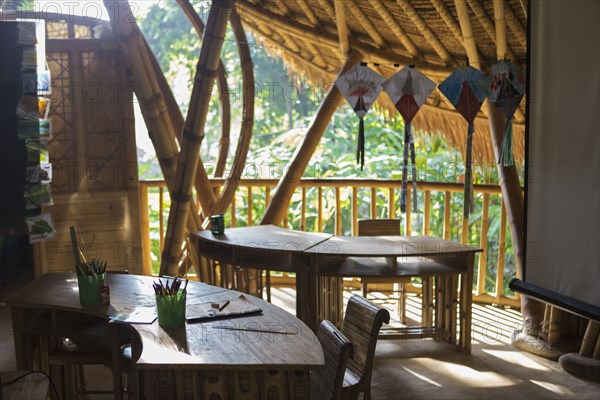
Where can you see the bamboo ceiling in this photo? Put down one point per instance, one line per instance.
(394, 33)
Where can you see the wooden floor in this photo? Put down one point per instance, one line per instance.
(426, 369)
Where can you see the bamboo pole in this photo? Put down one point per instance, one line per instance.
(338, 212)
(320, 209)
(427, 213)
(373, 203)
(508, 176)
(482, 266)
(288, 183)
(224, 100)
(391, 204)
(193, 134)
(303, 212)
(354, 211)
(243, 145)
(501, 254)
(447, 215)
(342, 27)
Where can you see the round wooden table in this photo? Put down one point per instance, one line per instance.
(272, 348)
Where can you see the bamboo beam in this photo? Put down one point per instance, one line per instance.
(395, 27)
(427, 33)
(193, 134)
(224, 100)
(288, 183)
(308, 12)
(245, 136)
(488, 26)
(482, 266)
(446, 16)
(500, 28)
(323, 38)
(366, 24)
(508, 177)
(342, 27)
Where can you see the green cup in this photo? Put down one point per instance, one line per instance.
(171, 310)
(90, 289)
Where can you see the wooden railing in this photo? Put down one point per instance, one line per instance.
(324, 204)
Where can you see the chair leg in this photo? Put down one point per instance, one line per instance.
(365, 290)
(402, 303)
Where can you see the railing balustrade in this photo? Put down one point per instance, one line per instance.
(326, 204)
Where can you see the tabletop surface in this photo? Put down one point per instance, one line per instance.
(389, 246)
(273, 339)
(266, 237)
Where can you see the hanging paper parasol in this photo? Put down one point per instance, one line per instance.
(360, 86)
(408, 89)
(463, 92)
(504, 86)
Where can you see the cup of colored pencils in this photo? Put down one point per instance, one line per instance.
(90, 279)
(170, 302)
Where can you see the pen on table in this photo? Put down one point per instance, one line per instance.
(224, 305)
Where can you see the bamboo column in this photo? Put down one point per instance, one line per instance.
(288, 183)
(193, 133)
(152, 94)
(224, 100)
(243, 145)
(509, 179)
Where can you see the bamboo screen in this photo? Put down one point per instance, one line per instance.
(93, 152)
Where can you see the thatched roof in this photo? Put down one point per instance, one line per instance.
(394, 33)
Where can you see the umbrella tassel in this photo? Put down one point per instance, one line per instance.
(468, 202)
(405, 169)
(506, 153)
(360, 149)
(413, 158)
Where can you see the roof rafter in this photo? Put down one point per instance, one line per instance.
(366, 24)
(389, 19)
(308, 12)
(328, 9)
(427, 33)
(342, 27)
(488, 26)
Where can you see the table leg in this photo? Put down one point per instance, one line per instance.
(466, 303)
(22, 339)
(306, 292)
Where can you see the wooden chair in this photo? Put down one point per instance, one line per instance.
(362, 322)
(384, 227)
(326, 383)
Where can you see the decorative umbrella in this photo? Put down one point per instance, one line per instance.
(360, 86)
(408, 89)
(463, 92)
(504, 86)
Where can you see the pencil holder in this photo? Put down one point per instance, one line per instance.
(171, 309)
(90, 289)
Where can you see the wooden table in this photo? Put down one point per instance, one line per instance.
(196, 346)
(427, 257)
(321, 260)
(271, 248)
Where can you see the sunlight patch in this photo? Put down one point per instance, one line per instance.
(517, 358)
(552, 387)
(422, 377)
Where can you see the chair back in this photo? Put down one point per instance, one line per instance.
(379, 227)
(362, 322)
(326, 383)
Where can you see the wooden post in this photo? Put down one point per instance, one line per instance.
(193, 134)
(288, 183)
(509, 179)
